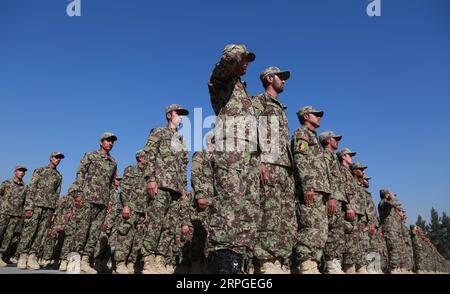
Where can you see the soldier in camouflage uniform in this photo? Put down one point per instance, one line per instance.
(277, 230)
(407, 248)
(40, 203)
(202, 183)
(132, 225)
(12, 199)
(418, 249)
(232, 234)
(337, 206)
(55, 235)
(313, 191)
(166, 162)
(392, 228)
(354, 212)
(365, 226)
(94, 181)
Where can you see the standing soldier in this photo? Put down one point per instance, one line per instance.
(131, 228)
(392, 228)
(353, 214)
(94, 180)
(278, 229)
(165, 168)
(363, 223)
(202, 182)
(313, 191)
(12, 198)
(233, 226)
(337, 206)
(40, 203)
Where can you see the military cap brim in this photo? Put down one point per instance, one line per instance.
(284, 75)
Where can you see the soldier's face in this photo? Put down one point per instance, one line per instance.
(278, 84)
(241, 68)
(347, 159)
(19, 174)
(55, 160)
(333, 143)
(140, 159)
(175, 118)
(314, 119)
(359, 173)
(116, 183)
(107, 144)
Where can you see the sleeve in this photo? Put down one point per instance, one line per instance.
(3, 188)
(29, 197)
(151, 150)
(269, 135)
(58, 186)
(301, 161)
(125, 187)
(81, 174)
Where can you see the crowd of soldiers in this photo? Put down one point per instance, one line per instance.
(278, 205)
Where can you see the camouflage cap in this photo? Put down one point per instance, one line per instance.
(357, 165)
(345, 151)
(328, 134)
(107, 135)
(118, 177)
(307, 110)
(140, 153)
(21, 167)
(178, 108)
(57, 154)
(273, 70)
(236, 52)
(384, 193)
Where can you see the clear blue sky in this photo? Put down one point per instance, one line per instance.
(383, 82)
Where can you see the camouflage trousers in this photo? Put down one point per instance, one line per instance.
(52, 246)
(312, 229)
(35, 231)
(356, 243)
(236, 213)
(407, 255)
(378, 248)
(164, 224)
(394, 245)
(200, 222)
(130, 233)
(277, 230)
(335, 244)
(88, 231)
(70, 230)
(8, 225)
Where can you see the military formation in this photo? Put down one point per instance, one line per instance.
(261, 201)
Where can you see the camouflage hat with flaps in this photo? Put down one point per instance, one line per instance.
(307, 110)
(140, 153)
(57, 154)
(273, 70)
(357, 165)
(108, 135)
(21, 167)
(178, 108)
(236, 52)
(345, 151)
(329, 134)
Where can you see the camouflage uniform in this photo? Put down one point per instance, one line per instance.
(278, 229)
(130, 232)
(42, 197)
(313, 175)
(419, 251)
(94, 181)
(53, 241)
(203, 188)
(407, 250)
(166, 162)
(12, 199)
(232, 233)
(335, 245)
(392, 229)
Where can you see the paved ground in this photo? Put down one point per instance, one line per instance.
(12, 269)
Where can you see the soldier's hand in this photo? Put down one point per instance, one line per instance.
(152, 189)
(105, 226)
(178, 240)
(371, 230)
(264, 175)
(68, 217)
(351, 215)
(126, 212)
(28, 213)
(49, 234)
(331, 205)
(185, 229)
(79, 201)
(202, 204)
(309, 198)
